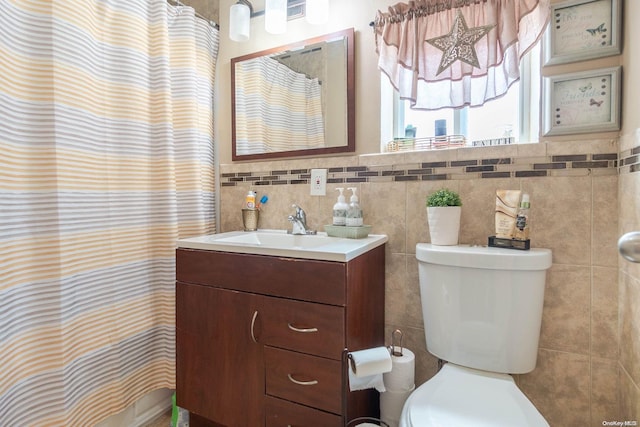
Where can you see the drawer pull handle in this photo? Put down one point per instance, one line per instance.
(303, 330)
(253, 323)
(295, 381)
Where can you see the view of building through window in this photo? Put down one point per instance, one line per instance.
(499, 118)
(514, 115)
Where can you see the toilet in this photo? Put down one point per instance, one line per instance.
(482, 309)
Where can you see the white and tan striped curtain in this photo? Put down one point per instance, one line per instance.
(106, 158)
(277, 109)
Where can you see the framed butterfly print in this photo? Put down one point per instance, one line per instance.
(583, 102)
(581, 30)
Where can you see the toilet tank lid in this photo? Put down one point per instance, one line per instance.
(484, 257)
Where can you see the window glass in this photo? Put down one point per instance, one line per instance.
(514, 115)
(424, 122)
(498, 118)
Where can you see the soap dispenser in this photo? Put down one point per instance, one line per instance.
(354, 213)
(340, 209)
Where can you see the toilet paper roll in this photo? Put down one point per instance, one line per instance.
(391, 404)
(402, 375)
(366, 368)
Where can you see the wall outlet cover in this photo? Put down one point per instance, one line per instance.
(318, 182)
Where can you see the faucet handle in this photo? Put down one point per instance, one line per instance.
(300, 215)
(299, 211)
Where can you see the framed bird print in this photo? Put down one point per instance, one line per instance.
(583, 102)
(582, 29)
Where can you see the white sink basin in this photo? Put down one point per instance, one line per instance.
(279, 243)
(278, 240)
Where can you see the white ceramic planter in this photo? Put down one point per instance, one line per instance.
(444, 224)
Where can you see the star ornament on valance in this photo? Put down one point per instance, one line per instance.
(459, 44)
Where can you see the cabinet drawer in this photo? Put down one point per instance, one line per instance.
(302, 279)
(309, 380)
(311, 328)
(282, 413)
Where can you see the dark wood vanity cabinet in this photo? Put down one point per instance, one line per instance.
(260, 339)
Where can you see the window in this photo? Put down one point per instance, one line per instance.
(516, 114)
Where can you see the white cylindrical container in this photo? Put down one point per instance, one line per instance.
(399, 383)
(402, 375)
(444, 224)
(391, 404)
(317, 12)
(275, 16)
(239, 22)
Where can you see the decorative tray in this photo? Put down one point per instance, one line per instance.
(347, 232)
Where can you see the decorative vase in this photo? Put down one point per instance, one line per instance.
(444, 224)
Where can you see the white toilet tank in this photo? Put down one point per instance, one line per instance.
(482, 306)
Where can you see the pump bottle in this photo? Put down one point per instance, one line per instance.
(354, 213)
(340, 209)
(522, 220)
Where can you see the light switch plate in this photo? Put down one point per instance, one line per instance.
(318, 182)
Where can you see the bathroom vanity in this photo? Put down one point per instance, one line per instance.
(260, 337)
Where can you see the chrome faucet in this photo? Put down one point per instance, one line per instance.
(299, 222)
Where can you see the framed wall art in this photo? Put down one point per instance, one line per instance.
(581, 30)
(582, 102)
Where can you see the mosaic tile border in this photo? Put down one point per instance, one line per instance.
(630, 160)
(502, 167)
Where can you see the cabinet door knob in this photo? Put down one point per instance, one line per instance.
(303, 330)
(253, 323)
(295, 381)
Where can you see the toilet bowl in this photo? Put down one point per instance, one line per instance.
(459, 396)
(482, 310)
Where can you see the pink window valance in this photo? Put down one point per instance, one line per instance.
(454, 53)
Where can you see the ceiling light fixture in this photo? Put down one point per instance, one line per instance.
(317, 12)
(276, 14)
(240, 21)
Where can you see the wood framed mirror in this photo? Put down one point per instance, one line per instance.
(294, 100)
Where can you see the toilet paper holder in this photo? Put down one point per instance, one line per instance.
(363, 421)
(395, 349)
(396, 335)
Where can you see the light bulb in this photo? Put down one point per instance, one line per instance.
(317, 12)
(239, 22)
(275, 16)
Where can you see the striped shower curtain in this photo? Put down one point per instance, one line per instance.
(277, 109)
(106, 158)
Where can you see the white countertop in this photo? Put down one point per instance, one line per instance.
(279, 243)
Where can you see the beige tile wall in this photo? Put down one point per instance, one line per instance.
(629, 214)
(578, 380)
(629, 292)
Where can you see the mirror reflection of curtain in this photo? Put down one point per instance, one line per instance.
(445, 53)
(281, 107)
(107, 159)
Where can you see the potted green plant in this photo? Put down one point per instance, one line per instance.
(444, 208)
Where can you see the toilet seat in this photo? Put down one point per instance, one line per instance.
(459, 396)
